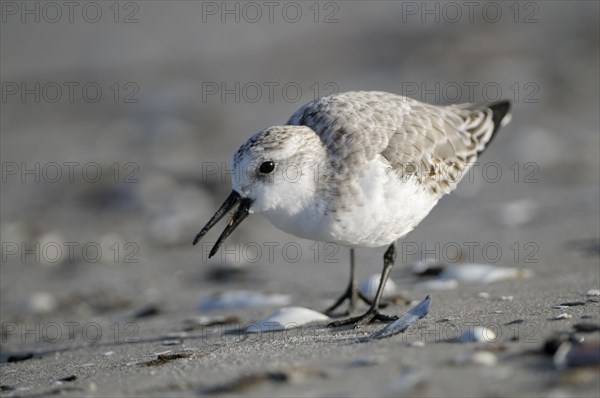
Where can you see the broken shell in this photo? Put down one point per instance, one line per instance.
(400, 325)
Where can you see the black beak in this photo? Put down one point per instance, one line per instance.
(239, 215)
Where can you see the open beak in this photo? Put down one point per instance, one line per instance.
(242, 212)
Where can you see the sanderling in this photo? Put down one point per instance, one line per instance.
(360, 169)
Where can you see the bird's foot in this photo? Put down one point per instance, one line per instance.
(370, 316)
(351, 294)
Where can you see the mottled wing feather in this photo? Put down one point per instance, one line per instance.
(433, 144)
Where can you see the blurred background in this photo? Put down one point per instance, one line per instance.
(119, 119)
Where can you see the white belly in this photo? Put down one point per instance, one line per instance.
(389, 209)
(383, 209)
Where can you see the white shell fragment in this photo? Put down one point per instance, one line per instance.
(244, 299)
(484, 358)
(477, 334)
(400, 325)
(436, 284)
(592, 293)
(287, 318)
(369, 287)
(482, 273)
(564, 315)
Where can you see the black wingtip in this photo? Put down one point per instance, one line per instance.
(499, 111)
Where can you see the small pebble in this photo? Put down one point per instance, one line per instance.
(484, 294)
(147, 311)
(42, 303)
(477, 334)
(367, 361)
(506, 298)
(515, 322)
(586, 327)
(569, 304)
(423, 268)
(172, 342)
(175, 335)
(592, 293)
(200, 322)
(19, 357)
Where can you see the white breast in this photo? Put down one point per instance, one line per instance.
(386, 208)
(383, 209)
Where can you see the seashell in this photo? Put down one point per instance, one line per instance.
(484, 358)
(243, 299)
(400, 325)
(369, 287)
(437, 284)
(287, 318)
(482, 273)
(477, 334)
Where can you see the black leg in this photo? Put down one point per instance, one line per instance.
(373, 313)
(351, 294)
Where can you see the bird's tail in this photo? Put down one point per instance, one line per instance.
(498, 112)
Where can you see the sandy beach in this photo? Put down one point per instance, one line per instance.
(118, 122)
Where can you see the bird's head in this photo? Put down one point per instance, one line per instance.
(277, 168)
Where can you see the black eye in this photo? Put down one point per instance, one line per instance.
(267, 167)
